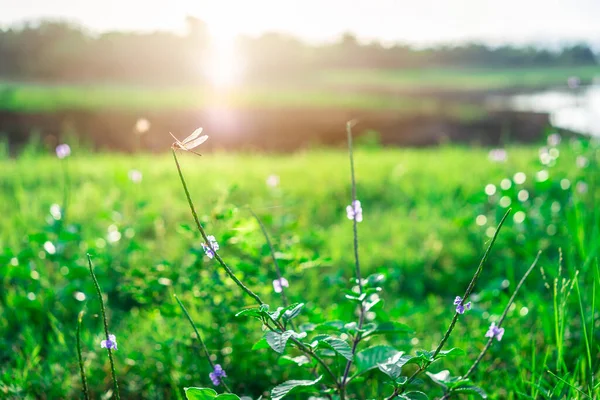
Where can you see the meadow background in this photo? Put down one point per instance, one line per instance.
(277, 147)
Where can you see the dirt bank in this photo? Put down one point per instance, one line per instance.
(269, 130)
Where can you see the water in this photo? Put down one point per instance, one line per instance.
(577, 110)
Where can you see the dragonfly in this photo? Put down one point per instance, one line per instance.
(190, 142)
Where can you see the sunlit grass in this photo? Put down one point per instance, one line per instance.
(420, 213)
(460, 79)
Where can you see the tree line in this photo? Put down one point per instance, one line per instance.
(56, 51)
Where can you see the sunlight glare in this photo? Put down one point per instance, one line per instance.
(224, 65)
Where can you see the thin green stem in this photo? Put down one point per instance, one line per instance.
(202, 344)
(110, 356)
(503, 316)
(232, 275)
(354, 221)
(80, 358)
(568, 384)
(472, 284)
(468, 292)
(272, 249)
(361, 317)
(228, 270)
(66, 191)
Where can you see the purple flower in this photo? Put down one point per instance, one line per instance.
(460, 308)
(217, 375)
(110, 343)
(63, 150)
(354, 211)
(210, 250)
(495, 332)
(279, 284)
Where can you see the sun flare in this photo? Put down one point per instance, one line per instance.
(224, 67)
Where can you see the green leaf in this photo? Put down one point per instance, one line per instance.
(385, 328)
(251, 312)
(261, 344)
(194, 393)
(227, 396)
(278, 341)
(299, 361)
(276, 314)
(280, 391)
(369, 305)
(293, 311)
(471, 390)
(415, 395)
(338, 345)
(449, 353)
(336, 326)
(369, 359)
(392, 367)
(374, 280)
(441, 378)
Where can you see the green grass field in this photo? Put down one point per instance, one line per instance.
(460, 79)
(419, 230)
(387, 90)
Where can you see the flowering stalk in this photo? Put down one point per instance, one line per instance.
(63, 151)
(490, 340)
(80, 358)
(108, 336)
(356, 217)
(499, 323)
(468, 292)
(229, 272)
(202, 344)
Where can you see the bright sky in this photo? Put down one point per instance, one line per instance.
(416, 21)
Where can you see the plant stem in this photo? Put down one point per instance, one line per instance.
(468, 292)
(110, 356)
(80, 358)
(202, 344)
(510, 302)
(272, 249)
(354, 221)
(205, 237)
(502, 317)
(66, 190)
(232, 275)
(472, 283)
(361, 317)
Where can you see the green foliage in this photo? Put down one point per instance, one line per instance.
(280, 391)
(193, 393)
(419, 246)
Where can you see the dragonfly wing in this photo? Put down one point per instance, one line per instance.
(195, 143)
(193, 136)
